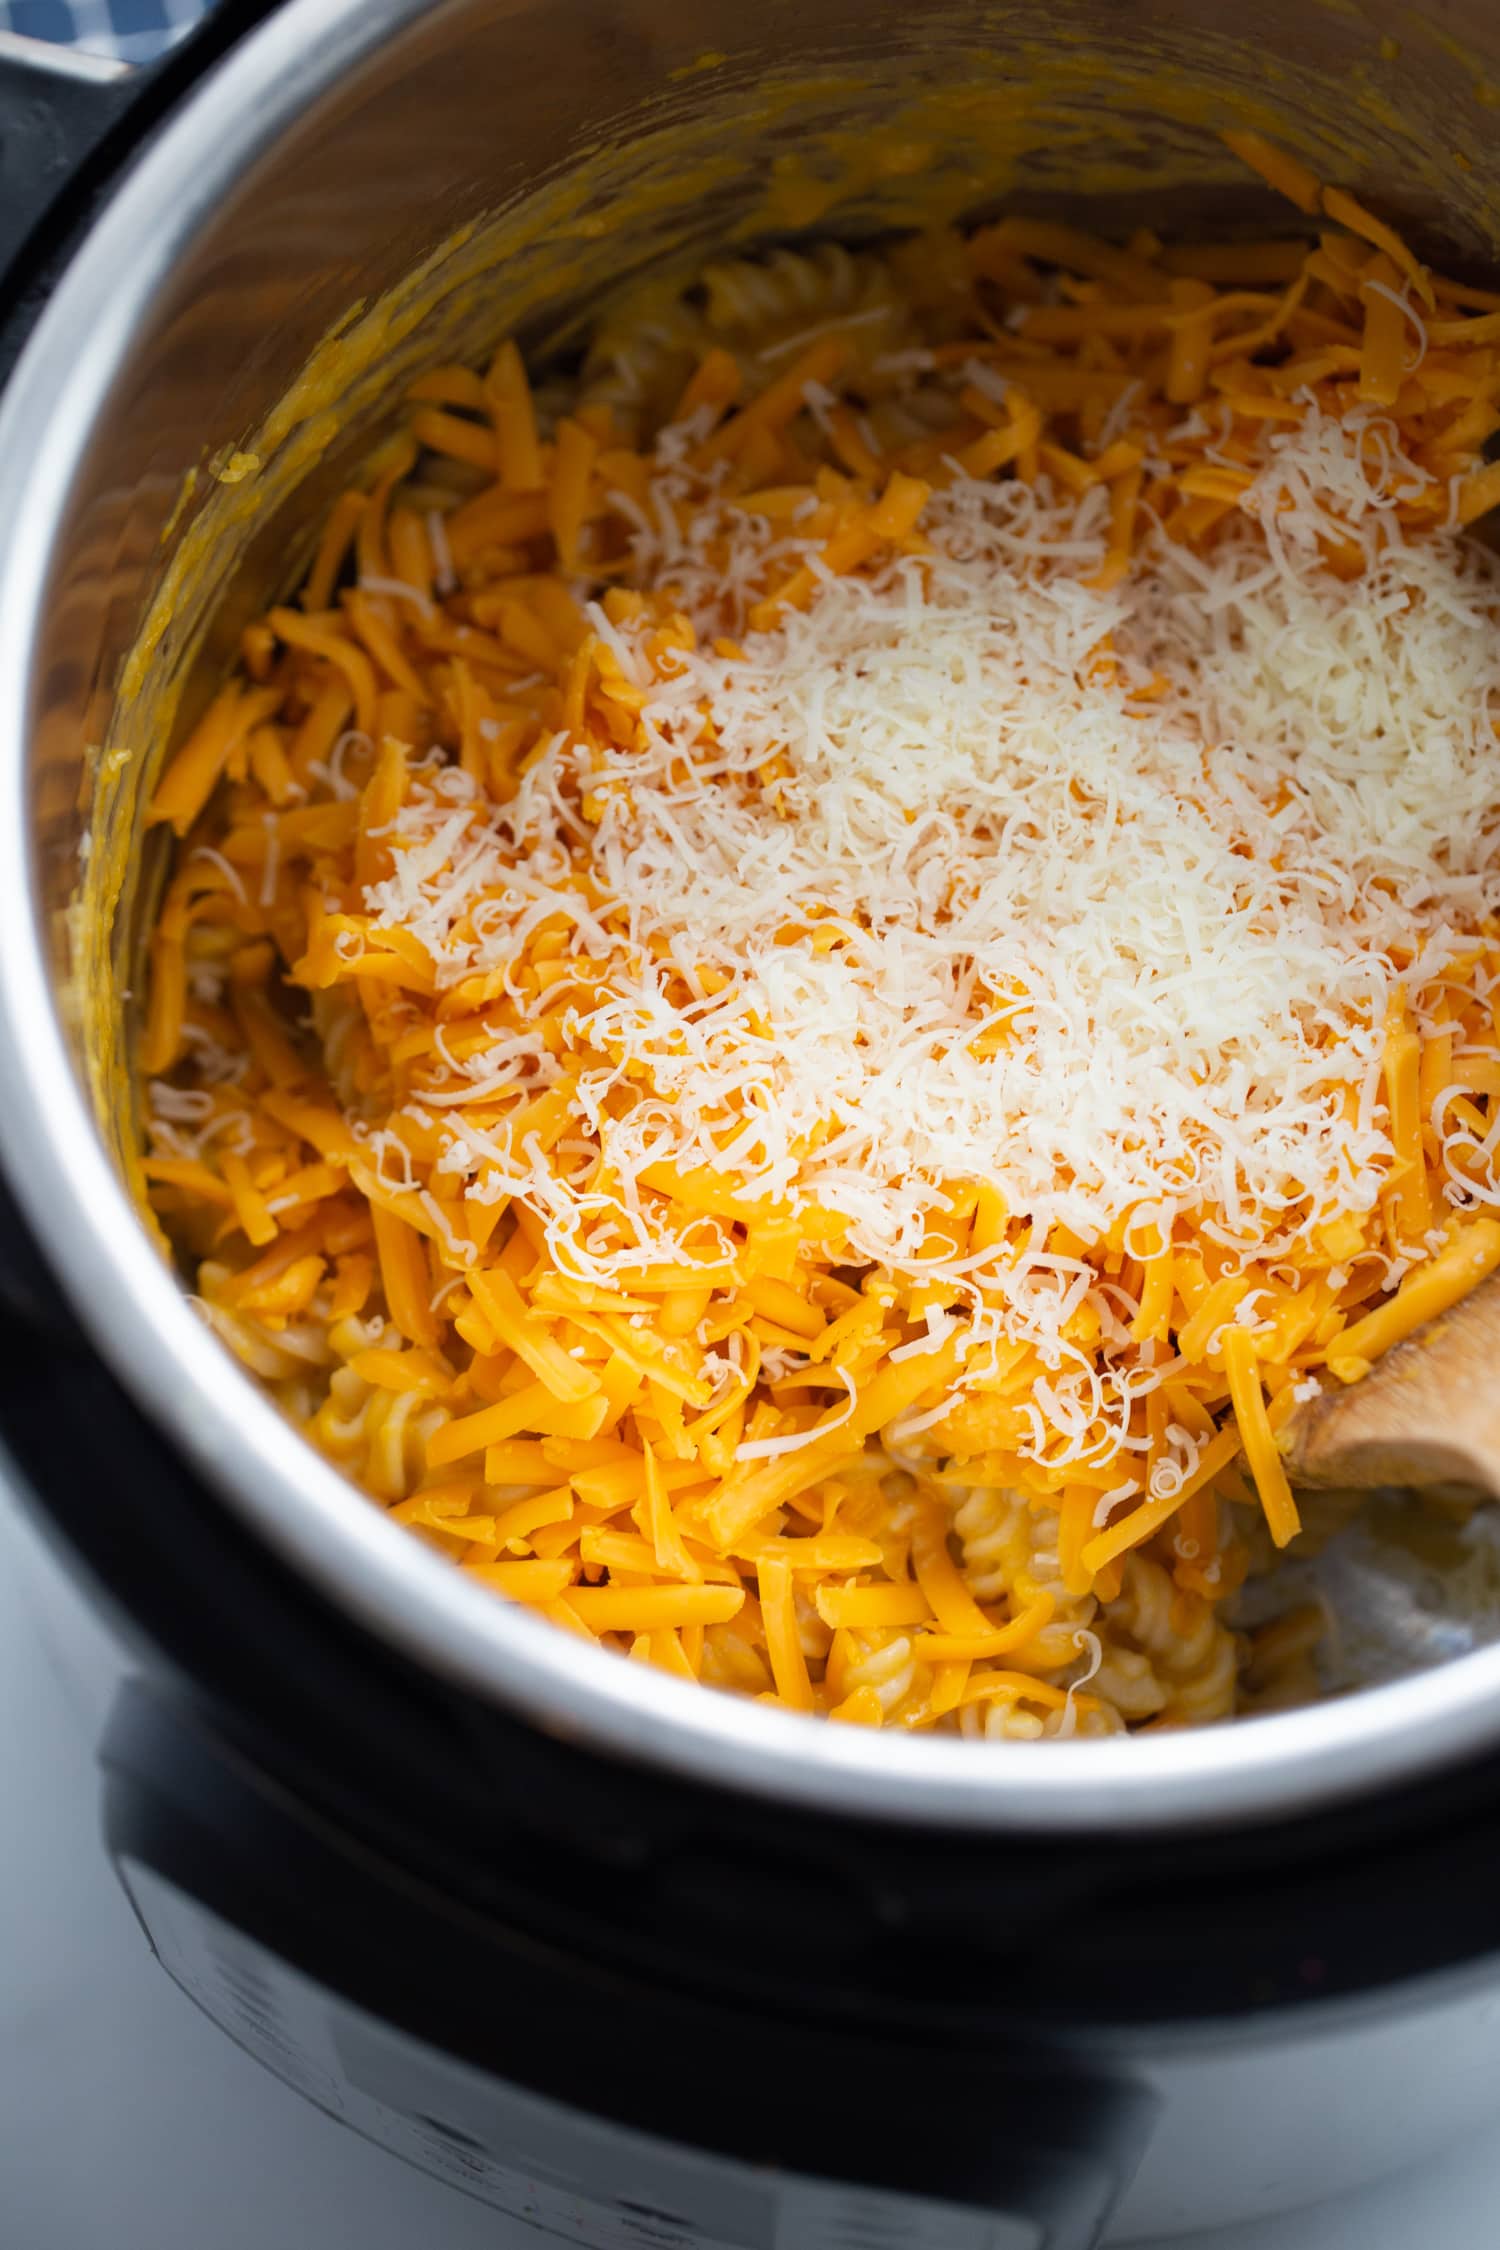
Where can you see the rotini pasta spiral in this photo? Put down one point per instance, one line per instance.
(1194, 1659)
(753, 300)
(1008, 1551)
(882, 1663)
(641, 355)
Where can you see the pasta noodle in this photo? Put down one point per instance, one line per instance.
(604, 1072)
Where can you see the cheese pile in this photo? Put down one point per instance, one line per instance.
(802, 998)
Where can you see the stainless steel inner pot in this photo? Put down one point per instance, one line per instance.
(365, 185)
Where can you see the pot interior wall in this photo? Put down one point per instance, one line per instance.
(507, 168)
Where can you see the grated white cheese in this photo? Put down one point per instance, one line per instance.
(1169, 897)
(396, 589)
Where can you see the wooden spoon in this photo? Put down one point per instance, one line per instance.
(1426, 1415)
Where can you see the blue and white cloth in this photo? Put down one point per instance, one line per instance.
(133, 31)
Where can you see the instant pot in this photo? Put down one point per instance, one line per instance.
(635, 1963)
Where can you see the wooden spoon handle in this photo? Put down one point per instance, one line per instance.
(1427, 1414)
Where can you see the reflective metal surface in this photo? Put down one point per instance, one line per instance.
(328, 157)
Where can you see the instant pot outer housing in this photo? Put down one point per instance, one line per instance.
(242, 259)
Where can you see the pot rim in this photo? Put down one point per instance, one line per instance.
(234, 1437)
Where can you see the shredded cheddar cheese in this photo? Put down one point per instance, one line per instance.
(817, 977)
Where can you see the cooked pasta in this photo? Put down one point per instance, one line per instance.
(817, 977)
